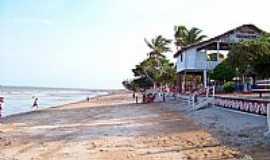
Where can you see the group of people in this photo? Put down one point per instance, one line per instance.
(150, 97)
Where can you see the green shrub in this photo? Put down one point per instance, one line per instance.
(223, 72)
(229, 87)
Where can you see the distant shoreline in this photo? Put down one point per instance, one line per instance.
(18, 100)
(60, 88)
(109, 93)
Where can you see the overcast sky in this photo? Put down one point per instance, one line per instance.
(96, 43)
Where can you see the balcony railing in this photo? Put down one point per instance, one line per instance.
(199, 65)
(208, 65)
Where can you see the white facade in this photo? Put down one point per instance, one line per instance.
(195, 61)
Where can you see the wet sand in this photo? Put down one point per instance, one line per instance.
(112, 128)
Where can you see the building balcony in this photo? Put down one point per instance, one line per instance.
(198, 66)
(206, 65)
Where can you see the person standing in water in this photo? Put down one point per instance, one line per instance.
(35, 103)
(1, 103)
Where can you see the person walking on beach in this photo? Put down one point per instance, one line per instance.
(35, 103)
(136, 97)
(163, 97)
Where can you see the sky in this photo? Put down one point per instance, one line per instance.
(95, 43)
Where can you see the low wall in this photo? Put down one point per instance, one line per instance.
(261, 107)
(246, 105)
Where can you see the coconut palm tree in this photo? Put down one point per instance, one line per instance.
(159, 45)
(184, 37)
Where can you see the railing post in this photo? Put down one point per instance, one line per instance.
(268, 120)
(207, 92)
(189, 100)
(214, 91)
(193, 102)
(205, 78)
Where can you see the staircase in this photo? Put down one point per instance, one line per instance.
(205, 103)
(199, 103)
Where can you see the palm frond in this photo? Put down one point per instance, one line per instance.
(148, 43)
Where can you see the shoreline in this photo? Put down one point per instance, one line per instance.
(114, 127)
(108, 93)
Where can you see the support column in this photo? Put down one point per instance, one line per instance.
(218, 48)
(205, 78)
(184, 82)
(179, 82)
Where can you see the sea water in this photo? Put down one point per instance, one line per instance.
(20, 99)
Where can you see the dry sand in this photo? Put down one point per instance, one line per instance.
(113, 128)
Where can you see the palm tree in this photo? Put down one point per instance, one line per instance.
(184, 36)
(159, 45)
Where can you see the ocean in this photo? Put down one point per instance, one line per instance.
(20, 99)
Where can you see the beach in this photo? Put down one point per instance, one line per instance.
(113, 127)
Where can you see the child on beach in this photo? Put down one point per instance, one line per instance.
(35, 103)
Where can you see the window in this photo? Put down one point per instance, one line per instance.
(213, 57)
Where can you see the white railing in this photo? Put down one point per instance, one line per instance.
(198, 65)
(208, 65)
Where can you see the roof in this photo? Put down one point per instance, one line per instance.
(218, 37)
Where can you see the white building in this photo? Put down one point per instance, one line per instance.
(196, 60)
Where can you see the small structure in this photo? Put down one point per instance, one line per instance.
(196, 60)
